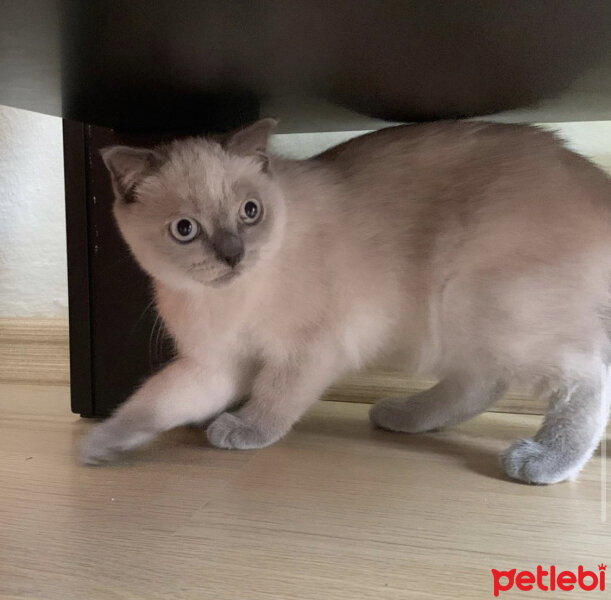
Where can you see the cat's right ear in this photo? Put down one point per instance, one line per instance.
(128, 166)
(252, 140)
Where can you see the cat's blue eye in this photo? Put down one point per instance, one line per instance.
(184, 230)
(250, 211)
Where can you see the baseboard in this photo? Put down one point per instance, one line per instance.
(370, 386)
(36, 351)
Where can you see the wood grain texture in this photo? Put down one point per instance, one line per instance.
(36, 351)
(336, 510)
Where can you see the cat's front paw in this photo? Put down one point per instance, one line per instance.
(104, 442)
(231, 431)
(98, 446)
(533, 462)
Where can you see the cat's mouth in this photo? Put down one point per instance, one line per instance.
(224, 278)
(201, 273)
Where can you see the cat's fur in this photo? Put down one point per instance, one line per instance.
(477, 252)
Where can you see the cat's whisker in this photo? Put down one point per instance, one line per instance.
(150, 344)
(144, 311)
(159, 339)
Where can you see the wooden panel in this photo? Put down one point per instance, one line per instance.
(151, 65)
(78, 243)
(36, 350)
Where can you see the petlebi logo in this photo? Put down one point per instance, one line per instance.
(549, 579)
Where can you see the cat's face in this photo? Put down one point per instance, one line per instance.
(197, 212)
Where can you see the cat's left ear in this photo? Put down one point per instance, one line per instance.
(128, 166)
(252, 140)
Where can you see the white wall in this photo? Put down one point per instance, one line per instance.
(32, 235)
(32, 231)
(591, 138)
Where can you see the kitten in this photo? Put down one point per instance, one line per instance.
(478, 252)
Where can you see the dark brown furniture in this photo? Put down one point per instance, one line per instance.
(137, 72)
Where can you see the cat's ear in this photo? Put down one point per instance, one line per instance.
(128, 166)
(252, 140)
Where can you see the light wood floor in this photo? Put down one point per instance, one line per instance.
(335, 511)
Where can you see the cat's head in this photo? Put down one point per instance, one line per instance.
(199, 211)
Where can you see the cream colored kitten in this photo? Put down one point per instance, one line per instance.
(478, 252)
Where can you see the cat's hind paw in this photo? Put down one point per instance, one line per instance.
(532, 462)
(399, 414)
(230, 431)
